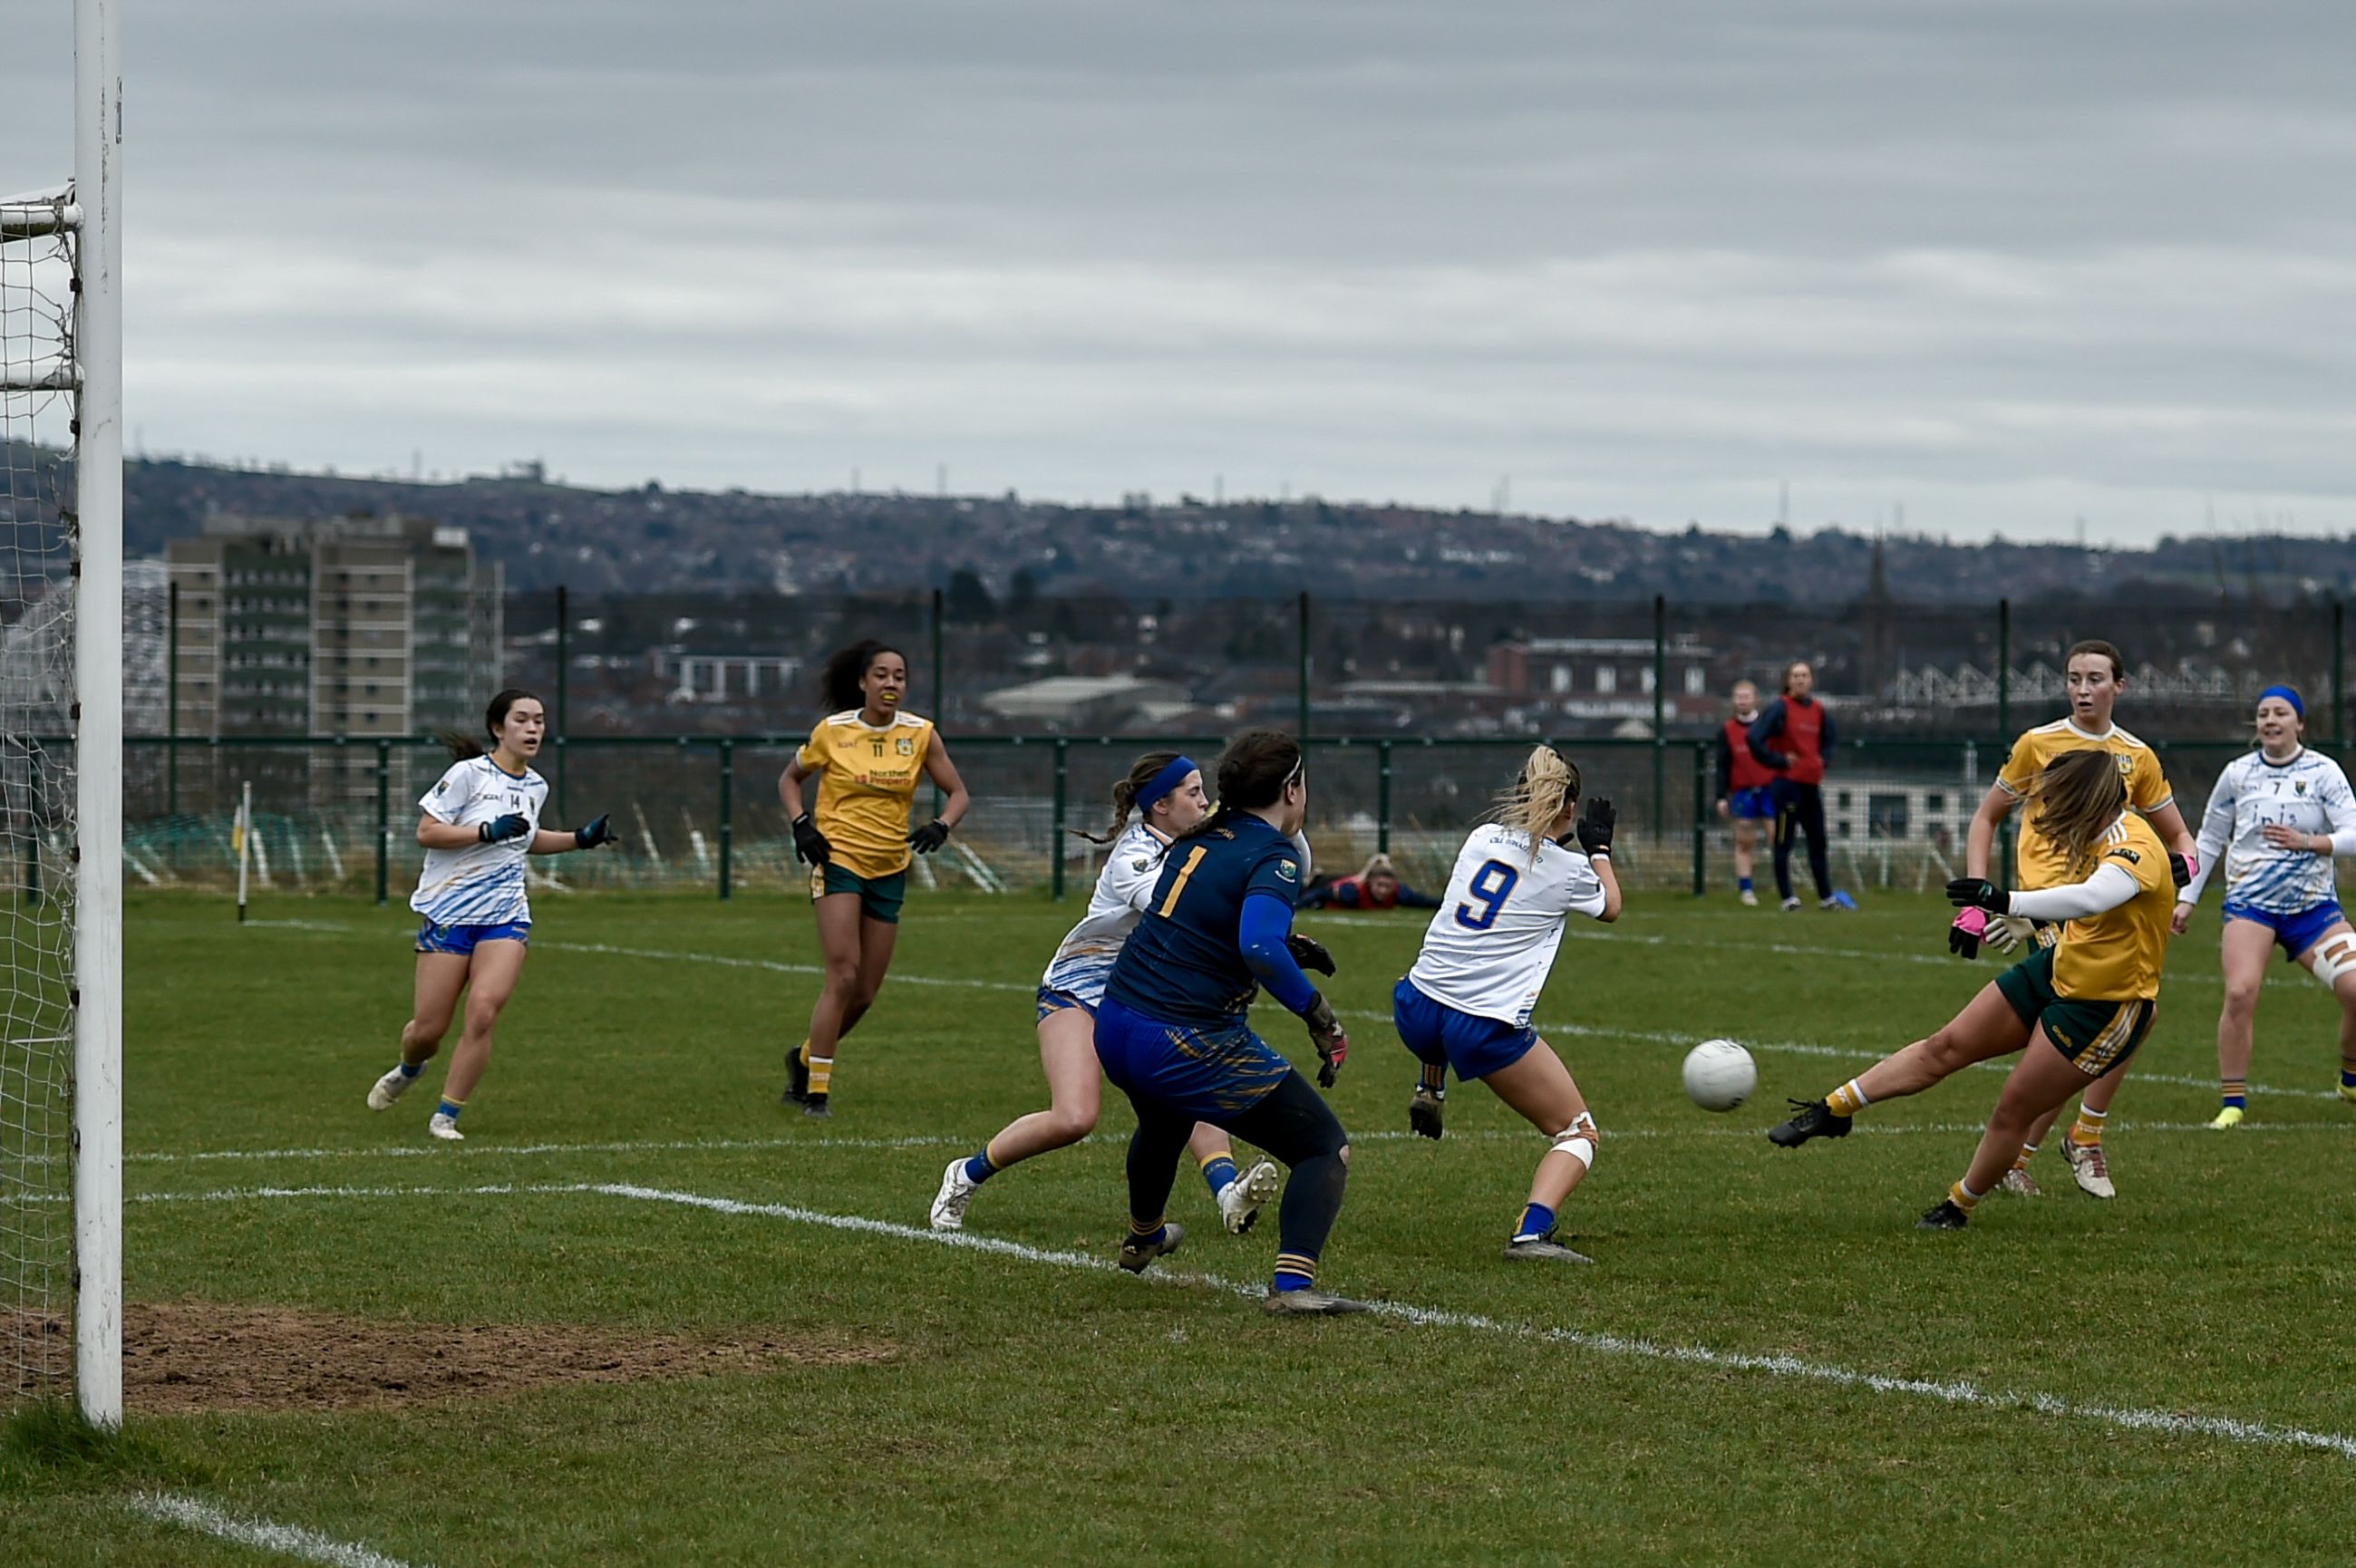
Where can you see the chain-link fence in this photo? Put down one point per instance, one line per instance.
(702, 811)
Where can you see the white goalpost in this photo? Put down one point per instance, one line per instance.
(62, 753)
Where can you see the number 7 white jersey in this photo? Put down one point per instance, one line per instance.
(1494, 935)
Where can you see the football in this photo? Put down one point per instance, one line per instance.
(1719, 1074)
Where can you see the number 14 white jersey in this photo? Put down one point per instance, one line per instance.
(1493, 938)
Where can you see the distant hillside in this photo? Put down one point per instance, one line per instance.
(654, 540)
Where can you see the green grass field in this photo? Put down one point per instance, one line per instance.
(1768, 1363)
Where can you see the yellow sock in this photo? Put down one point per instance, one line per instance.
(821, 1073)
(2027, 1151)
(1846, 1101)
(2087, 1130)
(805, 1053)
(1963, 1197)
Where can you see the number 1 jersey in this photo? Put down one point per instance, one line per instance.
(1494, 935)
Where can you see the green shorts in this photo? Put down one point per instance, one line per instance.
(880, 898)
(2097, 1036)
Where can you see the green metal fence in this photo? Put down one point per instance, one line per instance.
(702, 811)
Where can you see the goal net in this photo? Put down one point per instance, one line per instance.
(37, 792)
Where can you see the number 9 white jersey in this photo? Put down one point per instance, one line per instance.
(1494, 935)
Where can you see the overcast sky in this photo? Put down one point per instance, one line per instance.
(2002, 264)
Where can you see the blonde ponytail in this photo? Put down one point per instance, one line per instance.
(1548, 787)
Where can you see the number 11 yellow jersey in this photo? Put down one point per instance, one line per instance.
(867, 778)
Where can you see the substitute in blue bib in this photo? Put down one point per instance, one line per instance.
(480, 819)
(1174, 1030)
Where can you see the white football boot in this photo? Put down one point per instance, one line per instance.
(447, 1127)
(390, 1087)
(956, 1190)
(1240, 1201)
(2092, 1170)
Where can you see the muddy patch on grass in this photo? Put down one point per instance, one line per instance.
(182, 1357)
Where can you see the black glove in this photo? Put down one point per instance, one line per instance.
(1595, 828)
(2180, 870)
(599, 831)
(501, 828)
(930, 837)
(1309, 953)
(809, 844)
(1963, 937)
(1325, 1033)
(1978, 892)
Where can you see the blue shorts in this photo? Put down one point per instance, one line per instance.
(1472, 1046)
(1211, 1073)
(1756, 804)
(461, 939)
(1060, 1001)
(2297, 932)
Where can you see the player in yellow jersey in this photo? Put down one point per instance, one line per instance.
(2080, 1007)
(2095, 676)
(868, 757)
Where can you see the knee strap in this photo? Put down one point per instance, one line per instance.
(1578, 1140)
(2336, 957)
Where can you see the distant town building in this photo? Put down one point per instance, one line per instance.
(1098, 702)
(357, 627)
(1602, 678)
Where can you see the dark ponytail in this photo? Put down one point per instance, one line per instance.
(844, 674)
(1124, 794)
(463, 746)
(1253, 773)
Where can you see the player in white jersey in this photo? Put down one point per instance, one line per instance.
(1165, 790)
(2279, 816)
(481, 818)
(1467, 1002)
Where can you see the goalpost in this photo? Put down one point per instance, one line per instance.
(62, 753)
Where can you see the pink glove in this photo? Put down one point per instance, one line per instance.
(1963, 937)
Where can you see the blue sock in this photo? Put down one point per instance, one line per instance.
(449, 1108)
(1536, 1220)
(1140, 1236)
(1294, 1271)
(1746, 884)
(1219, 1170)
(2348, 1078)
(979, 1169)
(409, 1071)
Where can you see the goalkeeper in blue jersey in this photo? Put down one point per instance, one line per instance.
(1174, 1032)
(480, 819)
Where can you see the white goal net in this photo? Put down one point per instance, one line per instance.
(37, 798)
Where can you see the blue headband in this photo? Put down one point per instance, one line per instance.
(1168, 779)
(2287, 694)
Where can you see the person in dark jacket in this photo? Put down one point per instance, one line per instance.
(1793, 737)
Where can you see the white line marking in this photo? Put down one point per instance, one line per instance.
(2232, 1429)
(288, 1539)
(480, 1149)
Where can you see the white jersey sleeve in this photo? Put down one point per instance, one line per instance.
(2309, 794)
(481, 884)
(1493, 938)
(1083, 960)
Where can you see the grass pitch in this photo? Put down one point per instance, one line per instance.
(1767, 1364)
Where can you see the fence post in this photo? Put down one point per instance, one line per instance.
(2339, 670)
(1701, 815)
(564, 679)
(1660, 715)
(1383, 797)
(383, 817)
(1055, 828)
(1301, 732)
(727, 807)
(172, 700)
(2004, 669)
(940, 697)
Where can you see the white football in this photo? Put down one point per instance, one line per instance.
(1719, 1074)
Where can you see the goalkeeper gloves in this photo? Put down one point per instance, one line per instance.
(1325, 1033)
(2006, 932)
(599, 831)
(1963, 937)
(809, 844)
(1595, 828)
(930, 837)
(1978, 892)
(1309, 953)
(501, 828)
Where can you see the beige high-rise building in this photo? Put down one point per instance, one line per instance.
(361, 627)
